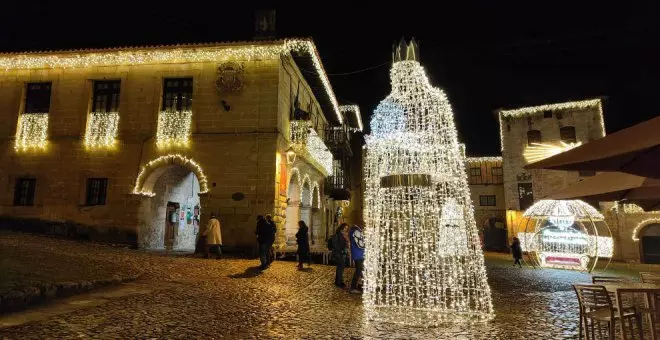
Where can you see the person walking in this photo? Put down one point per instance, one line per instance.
(516, 251)
(302, 238)
(271, 250)
(264, 239)
(339, 253)
(356, 236)
(213, 234)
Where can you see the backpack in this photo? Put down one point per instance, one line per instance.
(330, 243)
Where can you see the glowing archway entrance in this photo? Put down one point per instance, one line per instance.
(650, 243)
(170, 218)
(292, 208)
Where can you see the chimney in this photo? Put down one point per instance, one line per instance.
(264, 24)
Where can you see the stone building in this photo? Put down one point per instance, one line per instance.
(486, 181)
(142, 144)
(532, 133)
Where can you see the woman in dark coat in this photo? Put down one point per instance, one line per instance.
(302, 237)
(516, 251)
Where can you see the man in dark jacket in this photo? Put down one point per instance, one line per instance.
(356, 237)
(271, 251)
(340, 253)
(264, 234)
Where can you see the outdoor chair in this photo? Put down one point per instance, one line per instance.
(596, 308)
(609, 279)
(652, 277)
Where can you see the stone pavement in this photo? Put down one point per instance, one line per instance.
(187, 298)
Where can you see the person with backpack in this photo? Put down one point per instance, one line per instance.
(340, 253)
(356, 236)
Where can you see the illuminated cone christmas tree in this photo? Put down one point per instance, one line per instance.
(423, 261)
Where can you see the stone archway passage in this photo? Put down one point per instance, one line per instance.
(151, 171)
(293, 208)
(650, 243)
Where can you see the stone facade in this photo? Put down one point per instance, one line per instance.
(524, 186)
(238, 138)
(487, 194)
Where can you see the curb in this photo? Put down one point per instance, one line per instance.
(18, 299)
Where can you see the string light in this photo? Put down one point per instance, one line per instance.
(484, 159)
(177, 54)
(641, 225)
(101, 129)
(423, 262)
(565, 234)
(32, 131)
(525, 111)
(173, 159)
(306, 142)
(356, 110)
(173, 128)
(540, 151)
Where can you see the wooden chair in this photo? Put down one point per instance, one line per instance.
(652, 277)
(596, 308)
(610, 279)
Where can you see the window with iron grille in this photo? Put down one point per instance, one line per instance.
(498, 174)
(96, 191)
(475, 176)
(106, 96)
(37, 98)
(567, 134)
(177, 94)
(24, 191)
(533, 137)
(487, 200)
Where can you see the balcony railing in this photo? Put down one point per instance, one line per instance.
(307, 143)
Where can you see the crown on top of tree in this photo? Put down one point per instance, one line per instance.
(405, 51)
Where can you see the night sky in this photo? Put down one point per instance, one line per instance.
(485, 55)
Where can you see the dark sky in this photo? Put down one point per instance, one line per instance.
(485, 55)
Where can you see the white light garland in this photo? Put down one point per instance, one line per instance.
(484, 159)
(101, 129)
(32, 131)
(641, 225)
(523, 112)
(173, 54)
(577, 208)
(173, 128)
(356, 110)
(540, 151)
(307, 143)
(423, 262)
(173, 159)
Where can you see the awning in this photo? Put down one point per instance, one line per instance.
(634, 150)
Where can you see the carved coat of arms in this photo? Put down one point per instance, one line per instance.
(229, 77)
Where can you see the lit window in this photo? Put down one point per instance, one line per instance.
(475, 176)
(103, 121)
(24, 191)
(487, 200)
(175, 118)
(498, 174)
(32, 129)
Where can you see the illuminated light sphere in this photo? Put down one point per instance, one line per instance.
(423, 262)
(566, 234)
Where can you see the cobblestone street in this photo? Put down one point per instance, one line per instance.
(184, 297)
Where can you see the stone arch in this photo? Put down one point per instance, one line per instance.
(306, 201)
(649, 237)
(293, 207)
(155, 168)
(316, 226)
(641, 225)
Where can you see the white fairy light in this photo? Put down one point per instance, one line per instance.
(540, 151)
(173, 128)
(356, 111)
(641, 225)
(173, 159)
(565, 234)
(307, 143)
(423, 262)
(471, 160)
(101, 129)
(32, 131)
(534, 110)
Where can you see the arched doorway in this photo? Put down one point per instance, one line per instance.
(292, 208)
(169, 219)
(306, 202)
(317, 234)
(650, 243)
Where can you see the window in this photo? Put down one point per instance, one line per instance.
(487, 200)
(475, 175)
(547, 114)
(106, 96)
(567, 134)
(24, 191)
(177, 94)
(96, 191)
(533, 136)
(498, 174)
(37, 98)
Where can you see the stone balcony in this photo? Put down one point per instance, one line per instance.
(307, 144)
